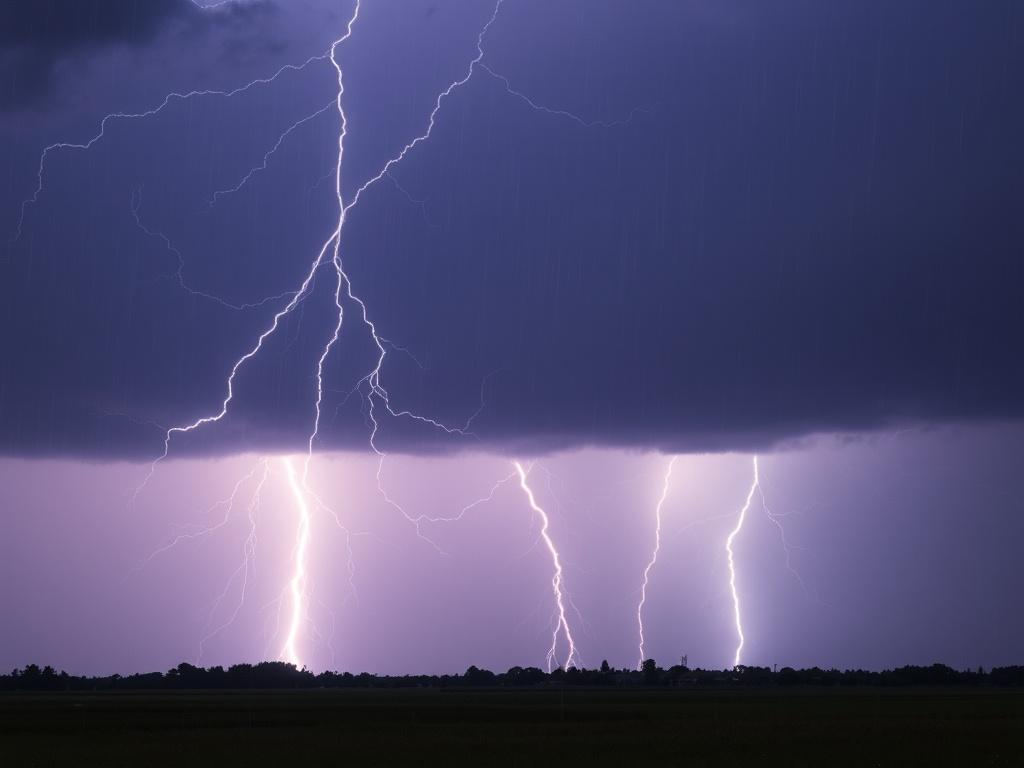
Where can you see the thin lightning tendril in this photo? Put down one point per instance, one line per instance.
(113, 116)
(179, 277)
(561, 112)
(242, 571)
(787, 548)
(229, 503)
(270, 153)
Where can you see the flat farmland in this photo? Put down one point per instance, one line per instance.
(516, 727)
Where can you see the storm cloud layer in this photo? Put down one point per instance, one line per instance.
(794, 217)
(38, 36)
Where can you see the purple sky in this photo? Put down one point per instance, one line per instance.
(588, 235)
(907, 544)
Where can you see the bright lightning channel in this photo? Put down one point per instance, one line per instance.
(342, 286)
(786, 546)
(298, 583)
(654, 558)
(737, 656)
(562, 623)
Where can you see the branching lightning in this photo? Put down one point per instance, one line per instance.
(270, 153)
(370, 387)
(342, 290)
(561, 622)
(654, 558)
(228, 504)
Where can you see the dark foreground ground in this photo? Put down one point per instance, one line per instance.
(805, 727)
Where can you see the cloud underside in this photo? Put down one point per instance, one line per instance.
(36, 36)
(819, 228)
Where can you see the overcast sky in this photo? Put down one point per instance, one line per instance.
(810, 220)
(638, 229)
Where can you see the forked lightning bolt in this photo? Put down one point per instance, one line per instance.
(370, 386)
(342, 290)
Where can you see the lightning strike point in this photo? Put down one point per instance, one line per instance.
(298, 584)
(737, 656)
(562, 625)
(654, 558)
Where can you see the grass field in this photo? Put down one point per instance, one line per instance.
(805, 727)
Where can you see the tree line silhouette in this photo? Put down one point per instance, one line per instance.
(280, 675)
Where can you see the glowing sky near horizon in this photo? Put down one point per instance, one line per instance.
(897, 570)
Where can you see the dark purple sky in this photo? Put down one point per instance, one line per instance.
(704, 229)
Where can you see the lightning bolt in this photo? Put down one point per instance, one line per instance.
(654, 558)
(342, 290)
(376, 392)
(562, 623)
(343, 285)
(298, 583)
(371, 388)
(788, 548)
(732, 565)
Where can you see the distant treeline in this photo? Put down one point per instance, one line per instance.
(276, 674)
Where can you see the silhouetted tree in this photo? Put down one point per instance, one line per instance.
(650, 672)
(476, 676)
(276, 674)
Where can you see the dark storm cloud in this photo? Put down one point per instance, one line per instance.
(36, 35)
(818, 226)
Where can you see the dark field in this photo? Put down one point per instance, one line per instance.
(893, 727)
